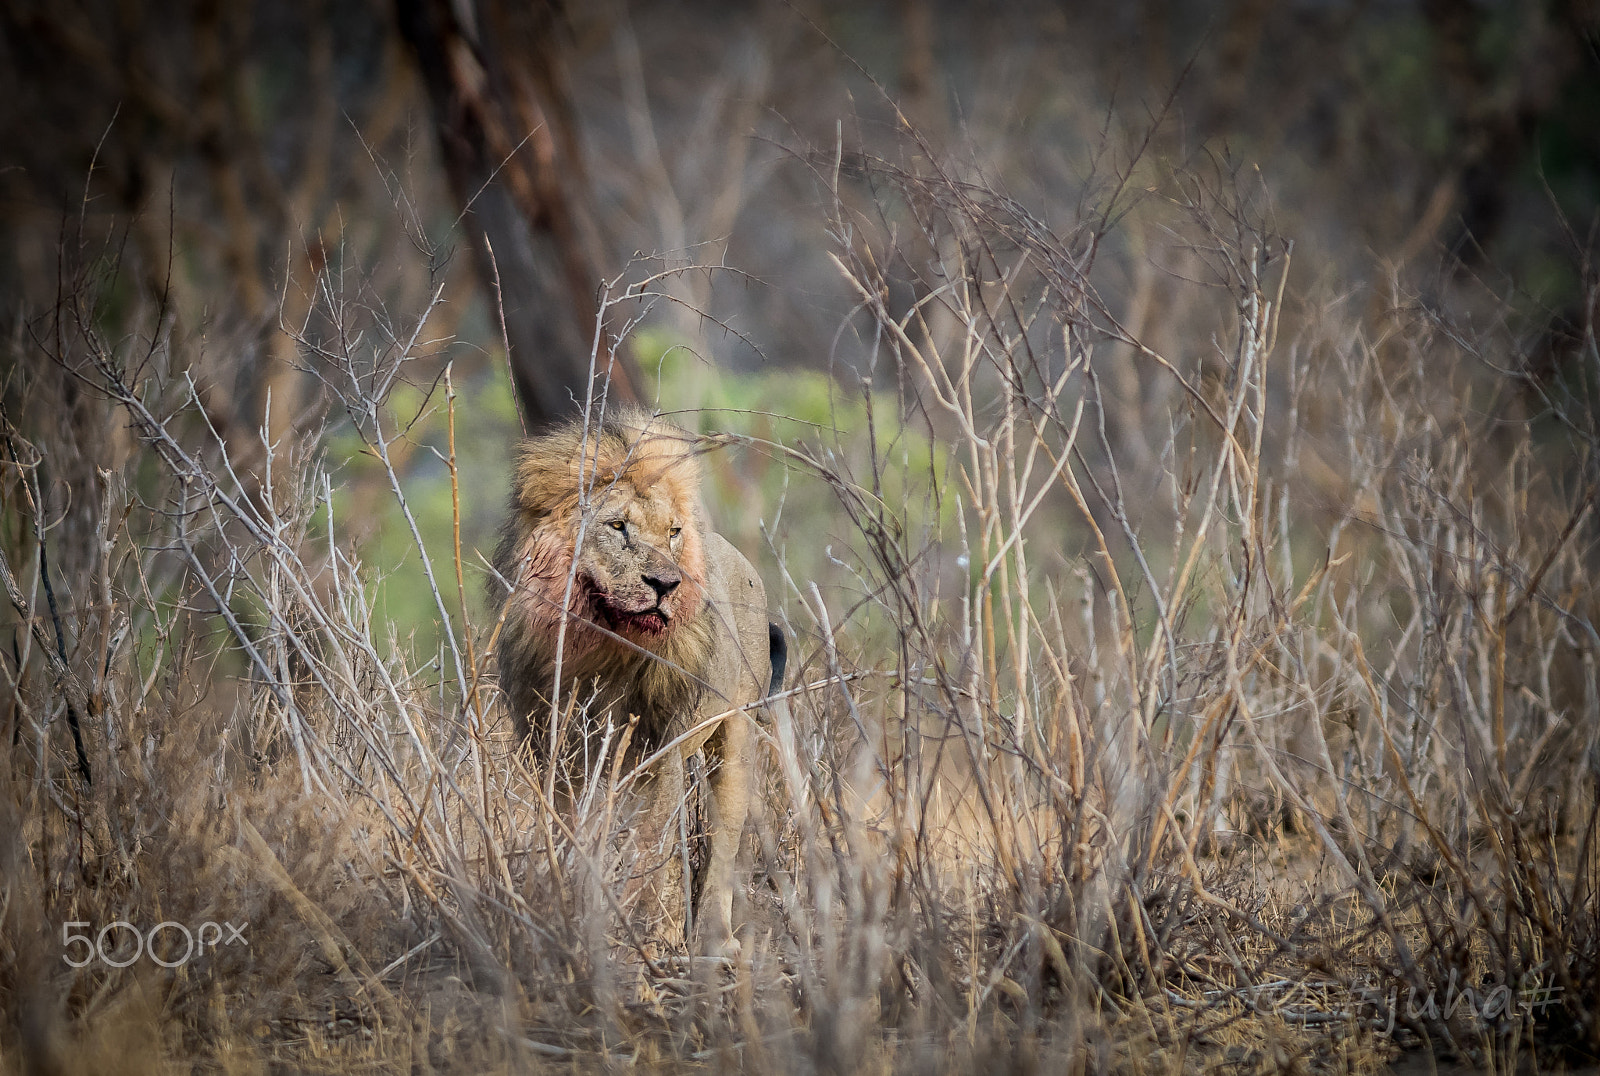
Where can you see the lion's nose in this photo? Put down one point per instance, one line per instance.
(663, 581)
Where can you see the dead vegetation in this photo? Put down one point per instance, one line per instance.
(1227, 707)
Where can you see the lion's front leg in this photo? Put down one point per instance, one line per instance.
(662, 826)
(729, 806)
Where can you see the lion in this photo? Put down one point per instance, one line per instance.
(658, 619)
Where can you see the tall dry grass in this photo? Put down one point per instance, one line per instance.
(1163, 700)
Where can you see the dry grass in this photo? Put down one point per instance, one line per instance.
(1156, 710)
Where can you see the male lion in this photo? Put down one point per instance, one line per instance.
(664, 621)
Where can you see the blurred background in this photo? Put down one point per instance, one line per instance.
(230, 174)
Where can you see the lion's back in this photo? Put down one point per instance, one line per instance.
(739, 667)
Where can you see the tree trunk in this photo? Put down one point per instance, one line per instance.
(506, 134)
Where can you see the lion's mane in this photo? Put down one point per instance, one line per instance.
(559, 479)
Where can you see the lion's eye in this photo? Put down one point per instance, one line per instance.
(618, 525)
(674, 532)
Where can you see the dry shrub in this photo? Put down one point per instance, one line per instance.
(1154, 708)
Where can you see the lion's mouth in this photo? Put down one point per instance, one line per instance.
(652, 621)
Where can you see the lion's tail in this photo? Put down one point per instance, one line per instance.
(778, 651)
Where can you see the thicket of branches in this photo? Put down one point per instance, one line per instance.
(1193, 638)
(1224, 756)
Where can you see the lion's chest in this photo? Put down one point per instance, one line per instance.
(664, 690)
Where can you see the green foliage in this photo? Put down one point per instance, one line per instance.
(791, 415)
(366, 508)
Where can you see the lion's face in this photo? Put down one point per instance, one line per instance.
(633, 563)
(634, 549)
